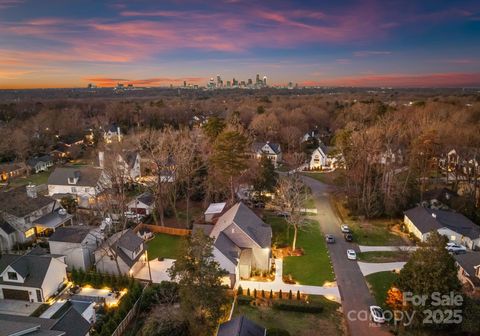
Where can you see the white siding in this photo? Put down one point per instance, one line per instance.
(55, 277)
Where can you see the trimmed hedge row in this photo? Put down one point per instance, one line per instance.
(244, 299)
(297, 306)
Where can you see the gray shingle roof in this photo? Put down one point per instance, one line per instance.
(88, 176)
(72, 323)
(31, 267)
(17, 203)
(146, 198)
(130, 241)
(32, 162)
(427, 220)
(468, 262)
(70, 234)
(240, 326)
(228, 248)
(257, 146)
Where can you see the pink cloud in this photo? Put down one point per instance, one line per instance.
(365, 53)
(156, 81)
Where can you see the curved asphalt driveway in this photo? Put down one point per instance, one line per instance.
(353, 289)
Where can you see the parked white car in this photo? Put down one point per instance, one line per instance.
(456, 248)
(351, 255)
(376, 314)
(345, 228)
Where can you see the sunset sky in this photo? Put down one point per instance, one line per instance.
(69, 43)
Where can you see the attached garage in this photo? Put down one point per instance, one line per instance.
(15, 294)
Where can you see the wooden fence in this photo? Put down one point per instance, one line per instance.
(163, 229)
(122, 326)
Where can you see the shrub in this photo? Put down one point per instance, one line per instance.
(248, 291)
(277, 332)
(255, 293)
(290, 295)
(263, 294)
(298, 295)
(271, 294)
(240, 290)
(244, 299)
(298, 306)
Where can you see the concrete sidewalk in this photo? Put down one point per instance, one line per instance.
(364, 248)
(331, 292)
(370, 268)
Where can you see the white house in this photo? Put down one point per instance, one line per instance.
(25, 215)
(143, 204)
(127, 162)
(272, 150)
(456, 227)
(242, 243)
(77, 244)
(82, 183)
(123, 252)
(31, 277)
(39, 164)
(324, 157)
(112, 133)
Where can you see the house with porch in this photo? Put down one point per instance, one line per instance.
(242, 243)
(325, 157)
(270, 149)
(25, 215)
(40, 163)
(82, 183)
(31, 277)
(456, 227)
(123, 252)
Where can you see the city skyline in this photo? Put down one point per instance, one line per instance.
(145, 43)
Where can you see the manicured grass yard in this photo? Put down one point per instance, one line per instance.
(383, 256)
(165, 246)
(313, 268)
(371, 232)
(329, 322)
(379, 283)
(37, 179)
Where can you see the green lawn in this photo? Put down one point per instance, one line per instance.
(314, 267)
(299, 324)
(37, 179)
(379, 283)
(383, 256)
(372, 232)
(165, 246)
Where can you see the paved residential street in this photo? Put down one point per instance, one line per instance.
(353, 289)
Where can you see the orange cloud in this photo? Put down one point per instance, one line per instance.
(156, 81)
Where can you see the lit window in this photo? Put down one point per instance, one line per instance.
(29, 233)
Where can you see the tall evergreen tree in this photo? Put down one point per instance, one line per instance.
(266, 179)
(202, 295)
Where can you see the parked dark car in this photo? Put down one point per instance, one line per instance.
(330, 239)
(348, 237)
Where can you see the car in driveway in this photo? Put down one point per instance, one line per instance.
(348, 237)
(351, 255)
(376, 314)
(456, 248)
(345, 228)
(329, 238)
